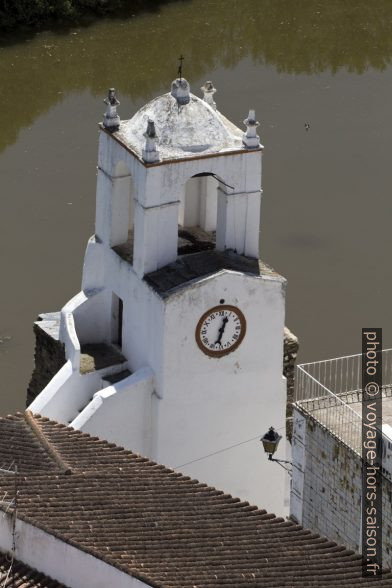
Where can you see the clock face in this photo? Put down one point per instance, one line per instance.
(220, 330)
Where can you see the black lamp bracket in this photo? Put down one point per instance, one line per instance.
(281, 462)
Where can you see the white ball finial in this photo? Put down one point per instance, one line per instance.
(208, 94)
(111, 120)
(251, 139)
(150, 152)
(180, 90)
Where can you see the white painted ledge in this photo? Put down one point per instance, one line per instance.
(121, 413)
(59, 560)
(49, 393)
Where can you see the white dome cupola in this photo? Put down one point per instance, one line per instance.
(186, 125)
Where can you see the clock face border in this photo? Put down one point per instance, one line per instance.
(221, 352)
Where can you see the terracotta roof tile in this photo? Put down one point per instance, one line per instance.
(26, 451)
(22, 576)
(162, 527)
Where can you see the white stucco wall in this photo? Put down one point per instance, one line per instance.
(91, 319)
(142, 312)
(61, 561)
(298, 445)
(198, 203)
(68, 393)
(158, 192)
(84, 319)
(122, 413)
(209, 404)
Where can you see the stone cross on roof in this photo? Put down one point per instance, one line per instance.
(180, 59)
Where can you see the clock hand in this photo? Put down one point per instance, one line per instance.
(220, 331)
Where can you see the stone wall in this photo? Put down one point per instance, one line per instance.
(49, 355)
(330, 486)
(290, 351)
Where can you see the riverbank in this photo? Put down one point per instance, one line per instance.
(26, 15)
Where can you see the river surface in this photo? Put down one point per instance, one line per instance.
(327, 205)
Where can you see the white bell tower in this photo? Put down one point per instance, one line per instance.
(179, 321)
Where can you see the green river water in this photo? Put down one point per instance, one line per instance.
(327, 206)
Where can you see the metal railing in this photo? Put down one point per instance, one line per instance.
(331, 391)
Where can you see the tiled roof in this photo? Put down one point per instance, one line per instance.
(160, 526)
(19, 444)
(203, 264)
(21, 576)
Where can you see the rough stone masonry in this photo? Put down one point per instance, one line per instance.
(327, 486)
(49, 355)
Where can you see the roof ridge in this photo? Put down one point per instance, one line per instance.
(44, 441)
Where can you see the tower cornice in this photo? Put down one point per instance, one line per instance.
(118, 139)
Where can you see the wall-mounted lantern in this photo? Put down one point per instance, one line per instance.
(270, 443)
